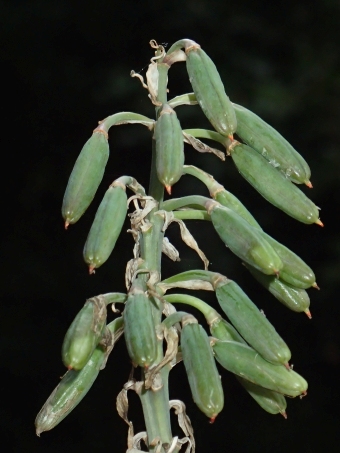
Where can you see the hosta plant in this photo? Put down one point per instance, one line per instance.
(158, 336)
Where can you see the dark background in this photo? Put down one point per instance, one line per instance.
(64, 66)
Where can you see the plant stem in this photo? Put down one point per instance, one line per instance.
(155, 404)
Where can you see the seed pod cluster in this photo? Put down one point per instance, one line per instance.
(269, 400)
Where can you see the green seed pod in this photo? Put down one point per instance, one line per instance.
(84, 334)
(295, 299)
(70, 391)
(85, 178)
(106, 228)
(169, 147)
(243, 240)
(251, 324)
(294, 271)
(271, 145)
(223, 330)
(139, 329)
(209, 91)
(229, 200)
(272, 402)
(245, 362)
(273, 185)
(204, 380)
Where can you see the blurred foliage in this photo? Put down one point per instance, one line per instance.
(65, 65)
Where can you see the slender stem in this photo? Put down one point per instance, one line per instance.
(191, 200)
(192, 214)
(155, 404)
(210, 135)
(184, 99)
(124, 118)
(210, 314)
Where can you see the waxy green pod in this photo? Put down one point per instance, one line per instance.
(267, 141)
(295, 299)
(223, 330)
(70, 391)
(227, 199)
(204, 380)
(84, 334)
(139, 329)
(272, 402)
(85, 178)
(273, 185)
(243, 240)
(106, 227)
(209, 90)
(251, 323)
(294, 271)
(169, 147)
(247, 363)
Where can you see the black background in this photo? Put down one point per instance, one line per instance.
(64, 66)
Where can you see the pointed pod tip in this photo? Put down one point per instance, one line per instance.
(91, 269)
(308, 313)
(316, 286)
(309, 184)
(318, 222)
(287, 366)
(168, 189)
(66, 224)
(212, 419)
(284, 414)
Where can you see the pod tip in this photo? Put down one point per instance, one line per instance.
(318, 222)
(308, 313)
(287, 366)
(66, 224)
(309, 184)
(212, 419)
(284, 414)
(91, 269)
(316, 286)
(168, 189)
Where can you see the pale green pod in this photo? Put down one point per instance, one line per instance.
(227, 199)
(294, 270)
(69, 392)
(106, 228)
(273, 185)
(247, 363)
(209, 91)
(251, 324)
(272, 402)
(85, 178)
(84, 334)
(139, 329)
(244, 241)
(204, 380)
(271, 145)
(296, 299)
(169, 147)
